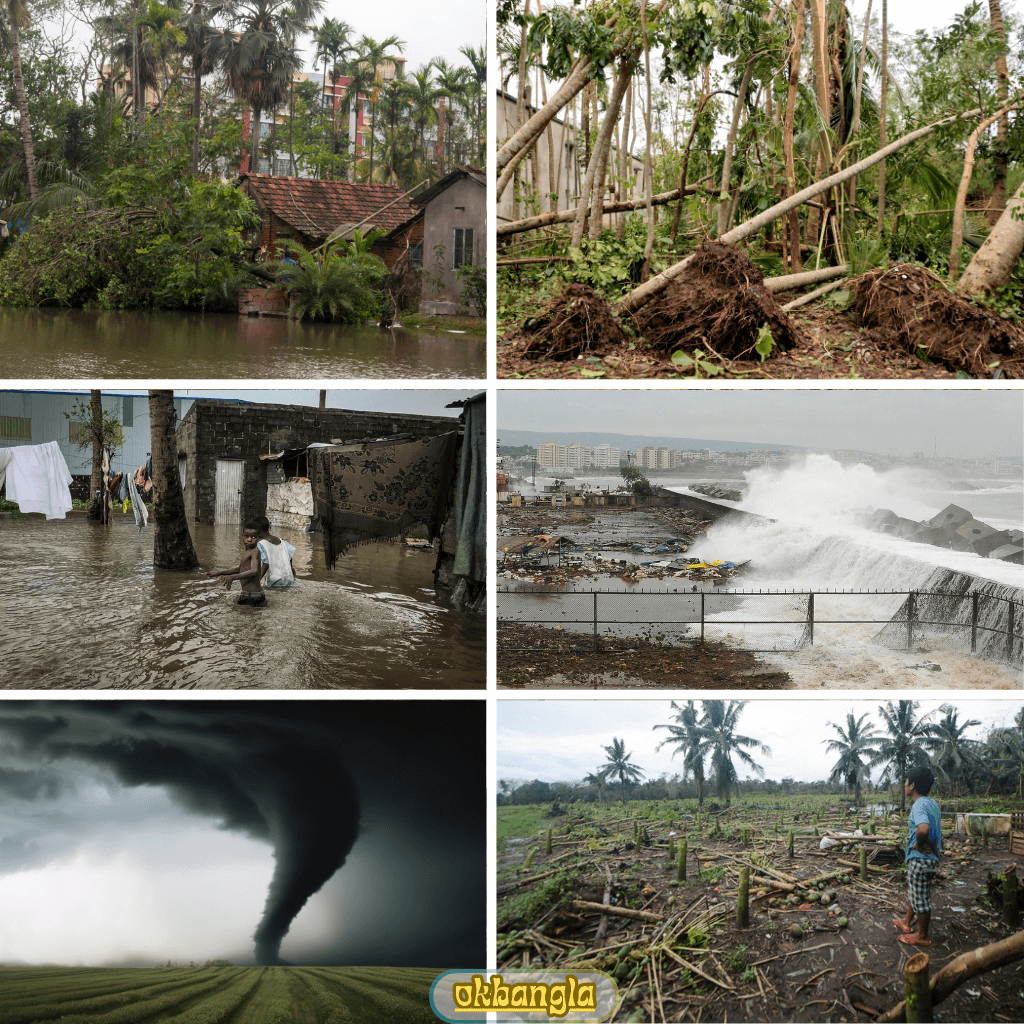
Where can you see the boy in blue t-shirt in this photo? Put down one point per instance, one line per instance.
(924, 846)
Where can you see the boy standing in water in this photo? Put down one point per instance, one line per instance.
(924, 846)
(275, 556)
(248, 571)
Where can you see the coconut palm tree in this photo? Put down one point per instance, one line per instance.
(688, 740)
(199, 34)
(172, 543)
(598, 780)
(374, 55)
(360, 85)
(476, 93)
(162, 39)
(258, 61)
(333, 47)
(451, 84)
(14, 16)
(421, 94)
(718, 725)
(619, 766)
(902, 749)
(953, 755)
(856, 748)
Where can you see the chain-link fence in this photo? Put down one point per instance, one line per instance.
(761, 621)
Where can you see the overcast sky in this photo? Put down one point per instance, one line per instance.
(960, 422)
(562, 741)
(133, 832)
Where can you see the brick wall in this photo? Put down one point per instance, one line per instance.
(214, 430)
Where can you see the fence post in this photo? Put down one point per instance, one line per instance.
(1009, 634)
(810, 616)
(702, 616)
(595, 622)
(974, 623)
(910, 620)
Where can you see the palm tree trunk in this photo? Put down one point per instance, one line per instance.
(730, 144)
(993, 263)
(291, 119)
(255, 168)
(96, 476)
(172, 544)
(793, 221)
(197, 99)
(26, 124)
(881, 114)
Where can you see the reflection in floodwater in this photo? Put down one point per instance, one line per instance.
(84, 608)
(76, 344)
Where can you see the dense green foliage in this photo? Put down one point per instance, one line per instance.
(328, 285)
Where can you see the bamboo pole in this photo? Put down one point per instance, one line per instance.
(743, 899)
(915, 987)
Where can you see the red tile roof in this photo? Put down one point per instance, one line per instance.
(316, 206)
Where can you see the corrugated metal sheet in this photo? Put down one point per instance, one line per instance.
(46, 409)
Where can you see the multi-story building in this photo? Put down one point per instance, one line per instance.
(550, 454)
(664, 458)
(605, 456)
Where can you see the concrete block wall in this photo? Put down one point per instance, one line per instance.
(217, 430)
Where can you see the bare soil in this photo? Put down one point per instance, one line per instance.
(694, 963)
(560, 660)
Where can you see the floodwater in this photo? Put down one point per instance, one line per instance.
(84, 608)
(80, 344)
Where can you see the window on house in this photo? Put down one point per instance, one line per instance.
(15, 428)
(416, 257)
(78, 433)
(462, 248)
(127, 411)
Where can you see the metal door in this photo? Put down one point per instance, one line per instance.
(229, 491)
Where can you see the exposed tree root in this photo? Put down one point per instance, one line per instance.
(572, 323)
(719, 302)
(910, 306)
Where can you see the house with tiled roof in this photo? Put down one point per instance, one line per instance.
(447, 234)
(309, 210)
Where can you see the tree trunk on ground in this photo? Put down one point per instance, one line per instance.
(26, 124)
(172, 544)
(639, 296)
(1000, 161)
(793, 221)
(993, 262)
(964, 967)
(96, 476)
(730, 144)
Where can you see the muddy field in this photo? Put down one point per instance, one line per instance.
(823, 950)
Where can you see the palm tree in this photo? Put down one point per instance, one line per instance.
(718, 725)
(333, 48)
(688, 739)
(373, 55)
(953, 755)
(394, 109)
(199, 34)
(451, 84)
(360, 85)
(161, 38)
(172, 544)
(477, 57)
(258, 61)
(901, 750)
(596, 779)
(856, 743)
(15, 18)
(619, 766)
(421, 94)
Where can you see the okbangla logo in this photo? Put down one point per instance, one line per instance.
(585, 997)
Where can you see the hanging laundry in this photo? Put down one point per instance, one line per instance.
(376, 490)
(141, 515)
(37, 478)
(471, 497)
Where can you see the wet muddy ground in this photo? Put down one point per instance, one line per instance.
(795, 962)
(84, 608)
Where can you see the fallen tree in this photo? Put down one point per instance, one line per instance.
(964, 967)
(638, 297)
(542, 220)
(993, 263)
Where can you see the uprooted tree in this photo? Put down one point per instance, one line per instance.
(800, 179)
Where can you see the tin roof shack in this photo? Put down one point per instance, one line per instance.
(308, 210)
(220, 444)
(454, 238)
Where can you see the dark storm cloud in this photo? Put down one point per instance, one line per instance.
(278, 772)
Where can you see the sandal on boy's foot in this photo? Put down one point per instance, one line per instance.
(902, 926)
(258, 600)
(244, 599)
(913, 940)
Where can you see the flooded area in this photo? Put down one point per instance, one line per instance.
(80, 344)
(84, 608)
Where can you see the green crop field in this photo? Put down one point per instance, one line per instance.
(216, 995)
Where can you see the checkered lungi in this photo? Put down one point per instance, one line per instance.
(920, 875)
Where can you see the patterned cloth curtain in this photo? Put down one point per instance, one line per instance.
(376, 490)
